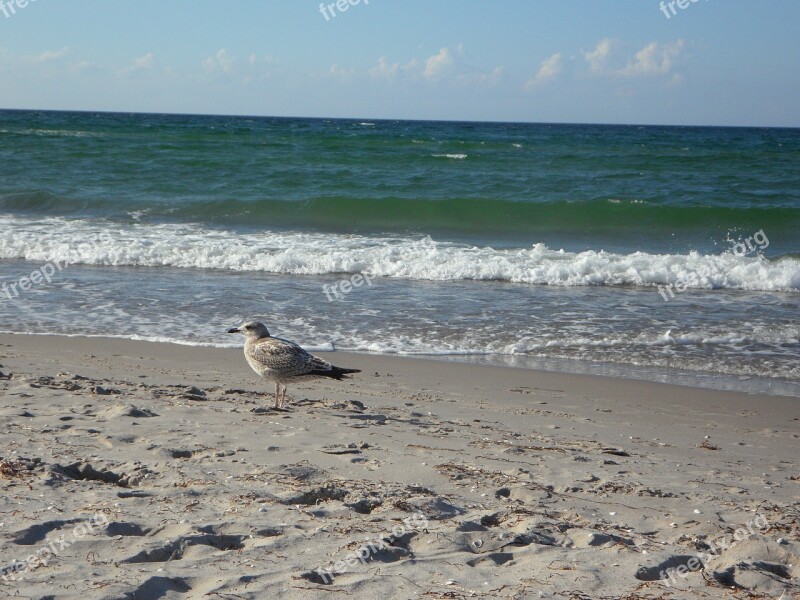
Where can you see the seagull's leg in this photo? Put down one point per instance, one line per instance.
(283, 397)
(277, 390)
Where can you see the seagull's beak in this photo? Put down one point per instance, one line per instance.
(234, 330)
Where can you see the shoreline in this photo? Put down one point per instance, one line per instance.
(720, 382)
(470, 480)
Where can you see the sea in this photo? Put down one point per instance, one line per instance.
(649, 252)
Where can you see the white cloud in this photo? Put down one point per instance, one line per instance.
(676, 79)
(483, 78)
(445, 62)
(456, 63)
(221, 61)
(598, 57)
(449, 64)
(411, 67)
(83, 65)
(549, 68)
(389, 70)
(384, 69)
(261, 68)
(254, 59)
(144, 62)
(140, 64)
(342, 73)
(653, 59)
(49, 55)
(437, 64)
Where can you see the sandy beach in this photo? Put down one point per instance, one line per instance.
(144, 470)
(550, 250)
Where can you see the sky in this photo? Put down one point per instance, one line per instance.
(712, 62)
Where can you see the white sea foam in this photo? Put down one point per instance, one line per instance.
(459, 156)
(61, 133)
(194, 247)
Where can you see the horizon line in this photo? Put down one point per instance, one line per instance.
(390, 119)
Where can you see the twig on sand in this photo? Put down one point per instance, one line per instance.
(321, 589)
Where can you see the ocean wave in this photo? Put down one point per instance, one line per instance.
(490, 216)
(407, 347)
(56, 133)
(459, 156)
(192, 246)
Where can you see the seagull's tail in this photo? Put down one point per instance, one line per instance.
(335, 373)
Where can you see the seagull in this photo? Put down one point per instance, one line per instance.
(282, 361)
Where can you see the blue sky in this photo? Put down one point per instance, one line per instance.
(714, 62)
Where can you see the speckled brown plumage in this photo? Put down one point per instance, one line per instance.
(282, 361)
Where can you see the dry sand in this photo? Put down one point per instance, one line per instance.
(164, 473)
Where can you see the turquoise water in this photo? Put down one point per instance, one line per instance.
(526, 244)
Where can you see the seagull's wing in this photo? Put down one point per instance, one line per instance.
(286, 357)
